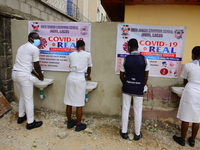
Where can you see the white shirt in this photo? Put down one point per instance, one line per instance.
(122, 64)
(80, 61)
(191, 72)
(26, 55)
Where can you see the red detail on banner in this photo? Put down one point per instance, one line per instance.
(63, 49)
(144, 48)
(125, 46)
(168, 55)
(43, 43)
(158, 54)
(163, 71)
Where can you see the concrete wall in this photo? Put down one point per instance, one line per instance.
(106, 99)
(169, 15)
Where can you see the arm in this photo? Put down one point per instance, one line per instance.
(89, 67)
(89, 72)
(185, 81)
(37, 71)
(146, 74)
(121, 75)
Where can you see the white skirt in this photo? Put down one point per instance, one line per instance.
(189, 107)
(75, 90)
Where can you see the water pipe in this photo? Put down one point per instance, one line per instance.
(42, 96)
(86, 97)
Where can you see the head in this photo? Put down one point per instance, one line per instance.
(34, 38)
(196, 52)
(80, 45)
(132, 45)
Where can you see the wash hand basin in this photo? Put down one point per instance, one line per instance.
(178, 90)
(90, 85)
(42, 84)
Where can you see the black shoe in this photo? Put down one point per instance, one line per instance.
(33, 125)
(80, 127)
(179, 140)
(20, 120)
(191, 142)
(123, 135)
(71, 124)
(137, 137)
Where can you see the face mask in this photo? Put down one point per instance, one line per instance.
(36, 42)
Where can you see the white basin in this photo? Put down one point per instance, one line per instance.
(42, 84)
(90, 85)
(178, 90)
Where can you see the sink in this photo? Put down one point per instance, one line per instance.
(42, 84)
(178, 90)
(90, 85)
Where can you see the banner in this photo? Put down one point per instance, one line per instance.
(58, 40)
(162, 45)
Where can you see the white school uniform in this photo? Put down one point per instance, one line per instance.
(137, 105)
(189, 107)
(21, 75)
(76, 83)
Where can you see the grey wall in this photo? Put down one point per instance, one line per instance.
(106, 99)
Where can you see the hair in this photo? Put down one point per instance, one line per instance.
(33, 35)
(196, 51)
(80, 43)
(133, 43)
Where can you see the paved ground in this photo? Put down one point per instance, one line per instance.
(102, 134)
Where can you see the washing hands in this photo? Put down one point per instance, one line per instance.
(88, 78)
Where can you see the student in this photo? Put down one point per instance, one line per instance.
(27, 58)
(80, 61)
(133, 74)
(189, 107)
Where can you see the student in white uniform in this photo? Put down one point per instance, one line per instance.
(80, 62)
(189, 107)
(27, 58)
(133, 74)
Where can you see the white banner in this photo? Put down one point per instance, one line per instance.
(58, 40)
(162, 45)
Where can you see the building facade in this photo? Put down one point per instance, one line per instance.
(91, 9)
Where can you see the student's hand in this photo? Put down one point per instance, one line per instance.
(41, 78)
(89, 78)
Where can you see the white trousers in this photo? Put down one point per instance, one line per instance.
(24, 85)
(126, 104)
